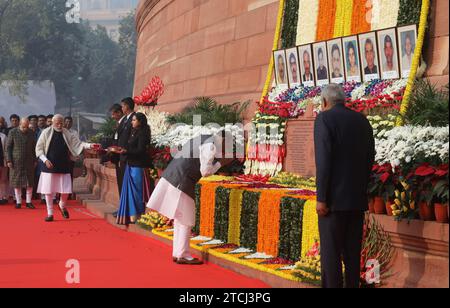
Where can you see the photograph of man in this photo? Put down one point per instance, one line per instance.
(294, 70)
(280, 68)
(370, 59)
(336, 63)
(321, 61)
(306, 65)
(352, 67)
(388, 54)
(407, 36)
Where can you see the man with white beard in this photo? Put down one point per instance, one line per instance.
(57, 148)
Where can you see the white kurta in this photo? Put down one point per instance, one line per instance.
(4, 186)
(175, 204)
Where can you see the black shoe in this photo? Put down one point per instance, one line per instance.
(65, 213)
(115, 214)
(18, 206)
(43, 201)
(55, 201)
(30, 206)
(49, 219)
(3, 201)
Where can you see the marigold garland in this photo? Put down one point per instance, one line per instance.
(342, 21)
(234, 223)
(360, 18)
(326, 19)
(207, 204)
(348, 12)
(269, 222)
(415, 63)
(310, 232)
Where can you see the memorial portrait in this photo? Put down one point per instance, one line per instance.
(306, 65)
(336, 61)
(352, 61)
(369, 54)
(280, 68)
(293, 67)
(321, 63)
(407, 39)
(388, 54)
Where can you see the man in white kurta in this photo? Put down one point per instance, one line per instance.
(174, 195)
(57, 148)
(4, 187)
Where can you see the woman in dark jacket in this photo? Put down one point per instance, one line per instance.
(132, 198)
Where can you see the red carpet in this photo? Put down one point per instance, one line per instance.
(34, 254)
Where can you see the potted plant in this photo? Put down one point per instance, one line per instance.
(161, 160)
(383, 188)
(423, 179)
(440, 194)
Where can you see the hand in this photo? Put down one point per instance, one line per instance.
(96, 146)
(10, 165)
(49, 164)
(322, 209)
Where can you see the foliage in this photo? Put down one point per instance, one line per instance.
(106, 130)
(429, 106)
(409, 12)
(211, 112)
(289, 32)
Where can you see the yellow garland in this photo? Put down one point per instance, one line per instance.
(234, 220)
(340, 18)
(310, 226)
(415, 63)
(348, 14)
(275, 47)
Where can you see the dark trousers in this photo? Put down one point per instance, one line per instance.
(341, 240)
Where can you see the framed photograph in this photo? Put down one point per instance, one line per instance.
(352, 61)
(369, 55)
(293, 67)
(321, 63)
(336, 61)
(306, 65)
(388, 54)
(407, 37)
(280, 68)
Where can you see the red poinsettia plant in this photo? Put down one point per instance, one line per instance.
(162, 157)
(383, 181)
(425, 178)
(151, 93)
(282, 109)
(385, 102)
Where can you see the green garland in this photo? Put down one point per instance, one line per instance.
(409, 12)
(291, 214)
(221, 214)
(290, 20)
(196, 228)
(249, 219)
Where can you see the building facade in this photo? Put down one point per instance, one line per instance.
(107, 13)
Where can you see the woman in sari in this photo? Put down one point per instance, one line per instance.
(135, 188)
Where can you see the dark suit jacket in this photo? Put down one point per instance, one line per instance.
(137, 148)
(345, 153)
(368, 71)
(124, 131)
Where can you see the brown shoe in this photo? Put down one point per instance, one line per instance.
(189, 262)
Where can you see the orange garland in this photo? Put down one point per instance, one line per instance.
(359, 17)
(326, 20)
(269, 221)
(207, 208)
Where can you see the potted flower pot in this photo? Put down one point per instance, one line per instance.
(389, 208)
(426, 211)
(372, 205)
(441, 213)
(379, 205)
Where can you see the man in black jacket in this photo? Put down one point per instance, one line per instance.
(123, 132)
(345, 152)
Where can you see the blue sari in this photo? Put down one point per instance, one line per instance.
(132, 203)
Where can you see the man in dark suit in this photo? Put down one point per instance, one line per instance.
(345, 153)
(121, 139)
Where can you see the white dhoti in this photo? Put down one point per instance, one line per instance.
(53, 183)
(175, 204)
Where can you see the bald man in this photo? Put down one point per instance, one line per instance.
(21, 161)
(57, 148)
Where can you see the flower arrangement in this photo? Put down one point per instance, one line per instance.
(156, 120)
(293, 180)
(151, 93)
(381, 125)
(154, 220)
(404, 204)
